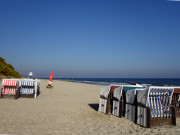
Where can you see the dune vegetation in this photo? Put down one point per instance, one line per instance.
(7, 70)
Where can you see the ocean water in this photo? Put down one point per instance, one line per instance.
(143, 81)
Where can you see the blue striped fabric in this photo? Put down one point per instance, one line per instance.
(27, 87)
(27, 83)
(159, 103)
(27, 91)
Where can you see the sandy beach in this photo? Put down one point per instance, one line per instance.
(69, 108)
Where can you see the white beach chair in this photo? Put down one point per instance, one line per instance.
(117, 101)
(112, 98)
(29, 87)
(131, 104)
(104, 93)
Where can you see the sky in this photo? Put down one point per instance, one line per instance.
(92, 38)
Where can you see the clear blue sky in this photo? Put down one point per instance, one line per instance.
(92, 38)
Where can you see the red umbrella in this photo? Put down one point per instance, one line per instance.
(50, 77)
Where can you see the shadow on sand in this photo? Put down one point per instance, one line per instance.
(94, 106)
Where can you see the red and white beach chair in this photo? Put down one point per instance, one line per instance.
(10, 87)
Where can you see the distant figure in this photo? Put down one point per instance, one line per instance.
(30, 75)
(50, 80)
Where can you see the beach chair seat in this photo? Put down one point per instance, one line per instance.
(29, 88)
(10, 88)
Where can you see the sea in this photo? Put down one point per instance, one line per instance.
(142, 81)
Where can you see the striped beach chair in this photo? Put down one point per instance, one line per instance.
(154, 107)
(29, 88)
(10, 87)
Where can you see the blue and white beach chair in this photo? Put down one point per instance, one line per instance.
(154, 106)
(29, 87)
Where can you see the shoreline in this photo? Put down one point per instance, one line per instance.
(68, 108)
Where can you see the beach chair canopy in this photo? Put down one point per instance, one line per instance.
(105, 92)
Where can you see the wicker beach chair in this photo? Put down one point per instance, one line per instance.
(117, 101)
(10, 88)
(131, 104)
(112, 99)
(125, 88)
(29, 88)
(154, 107)
(104, 94)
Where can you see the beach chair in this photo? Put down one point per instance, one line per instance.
(126, 105)
(153, 107)
(10, 88)
(131, 104)
(110, 100)
(117, 100)
(29, 88)
(104, 95)
(176, 101)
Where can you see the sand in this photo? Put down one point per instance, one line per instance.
(69, 108)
